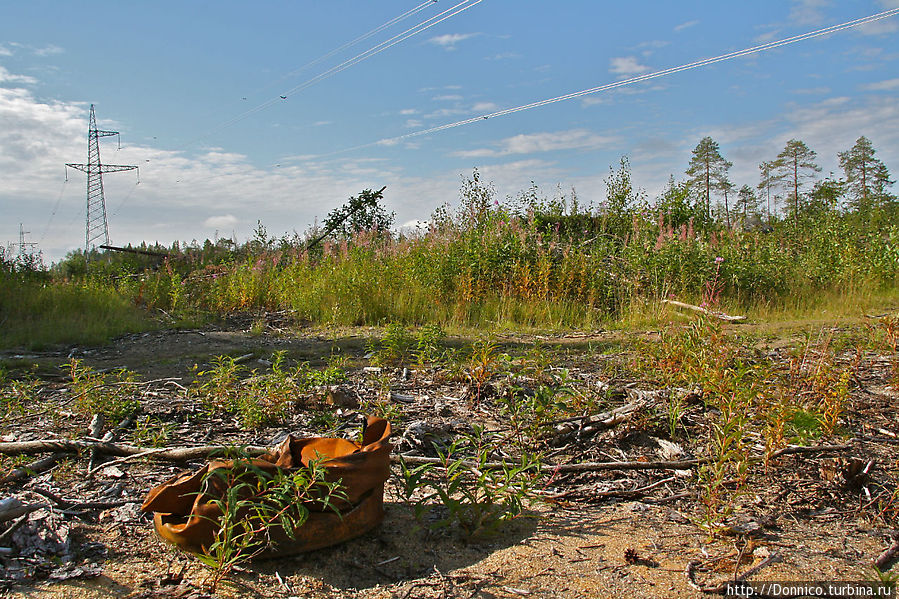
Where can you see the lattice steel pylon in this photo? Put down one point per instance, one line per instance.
(96, 226)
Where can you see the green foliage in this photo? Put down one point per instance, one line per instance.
(259, 399)
(476, 495)
(427, 344)
(35, 313)
(257, 503)
(360, 213)
(529, 261)
(394, 346)
(109, 394)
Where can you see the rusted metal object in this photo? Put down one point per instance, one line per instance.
(185, 516)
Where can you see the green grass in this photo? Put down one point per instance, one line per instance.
(35, 316)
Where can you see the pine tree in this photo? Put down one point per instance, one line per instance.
(768, 183)
(795, 163)
(866, 176)
(707, 170)
(747, 202)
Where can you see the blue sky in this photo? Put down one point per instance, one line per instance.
(194, 88)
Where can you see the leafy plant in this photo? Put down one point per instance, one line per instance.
(255, 504)
(481, 364)
(476, 494)
(427, 344)
(394, 346)
(109, 394)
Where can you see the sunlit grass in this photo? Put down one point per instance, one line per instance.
(35, 316)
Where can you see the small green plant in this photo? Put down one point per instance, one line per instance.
(673, 415)
(476, 495)
(481, 366)
(153, 431)
(109, 394)
(17, 396)
(427, 344)
(394, 347)
(255, 504)
(530, 411)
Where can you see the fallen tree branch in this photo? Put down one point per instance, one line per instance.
(31, 468)
(793, 449)
(582, 467)
(720, 315)
(74, 504)
(12, 508)
(175, 454)
(183, 454)
(889, 554)
(722, 588)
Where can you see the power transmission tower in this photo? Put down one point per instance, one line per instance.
(96, 227)
(25, 247)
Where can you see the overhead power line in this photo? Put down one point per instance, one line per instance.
(374, 50)
(363, 37)
(638, 79)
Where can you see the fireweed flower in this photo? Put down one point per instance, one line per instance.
(719, 260)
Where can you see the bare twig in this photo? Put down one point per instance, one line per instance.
(721, 589)
(889, 554)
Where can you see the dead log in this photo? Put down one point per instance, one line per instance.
(719, 315)
(581, 467)
(630, 465)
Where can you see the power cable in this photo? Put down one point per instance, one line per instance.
(374, 50)
(638, 79)
(55, 208)
(362, 37)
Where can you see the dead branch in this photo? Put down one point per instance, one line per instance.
(722, 588)
(588, 425)
(889, 554)
(720, 315)
(793, 449)
(74, 504)
(12, 507)
(582, 467)
(175, 454)
(31, 468)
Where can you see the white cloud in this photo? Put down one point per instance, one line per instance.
(808, 12)
(408, 111)
(4, 51)
(448, 41)
(48, 50)
(574, 139)
(484, 107)
(224, 221)
(627, 65)
(686, 25)
(447, 98)
(7, 77)
(885, 85)
(503, 56)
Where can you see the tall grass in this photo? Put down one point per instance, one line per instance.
(35, 313)
(526, 262)
(507, 269)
